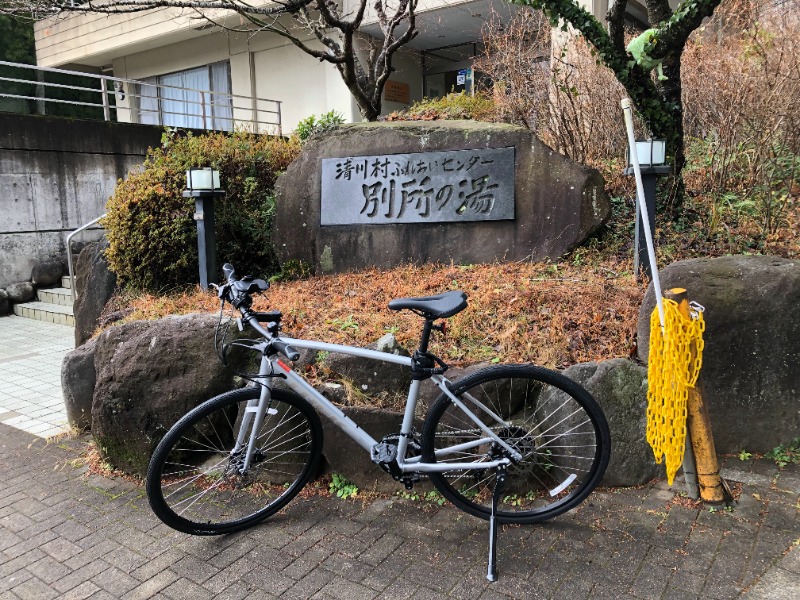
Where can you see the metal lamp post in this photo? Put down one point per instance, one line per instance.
(203, 186)
(652, 162)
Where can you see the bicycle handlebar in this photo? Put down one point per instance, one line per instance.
(237, 292)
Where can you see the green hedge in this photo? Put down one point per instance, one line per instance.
(151, 231)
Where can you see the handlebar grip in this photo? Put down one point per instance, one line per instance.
(230, 274)
(286, 350)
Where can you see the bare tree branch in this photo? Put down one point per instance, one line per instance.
(324, 20)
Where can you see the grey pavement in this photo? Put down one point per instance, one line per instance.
(31, 353)
(66, 532)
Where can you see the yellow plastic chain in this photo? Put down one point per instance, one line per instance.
(673, 369)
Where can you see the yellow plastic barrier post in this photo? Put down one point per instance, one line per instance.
(699, 424)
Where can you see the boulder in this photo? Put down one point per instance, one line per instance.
(442, 191)
(620, 387)
(78, 378)
(750, 377)
(47, 273)
(149, 374)
(383, 381)
(5, 303)
(347, 458)
(95, 285)
(429, 391)
(20, 292)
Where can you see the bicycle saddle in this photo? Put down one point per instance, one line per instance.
(440, 306)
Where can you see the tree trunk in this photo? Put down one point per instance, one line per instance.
(671, 94)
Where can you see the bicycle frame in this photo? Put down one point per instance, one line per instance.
(272, 366)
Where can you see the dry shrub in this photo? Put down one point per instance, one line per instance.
(585, 118)
(456, 106)
(558, 90)
(516, 57)
(741, 97)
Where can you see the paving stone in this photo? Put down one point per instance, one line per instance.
(650, 581)
(346, 567)
(83, 591)
(256, 578)
(381, 549)
(791, 562)
(183, 589)
(152, 587)
(18, 563)
(232, 552)
(778, 584)
(95, 547)
(34, 589)
(29, 544)
(48, 569)
(343, 589)
(8, 539)
(311, 582)
(188, 568)
(71, 530)
(16, 521)
(114, 581)
(61, 549)
(12, 581)
(80, 576)
(124, 559)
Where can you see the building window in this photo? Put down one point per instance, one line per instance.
(199, 98)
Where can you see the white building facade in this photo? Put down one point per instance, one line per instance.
(173, 47)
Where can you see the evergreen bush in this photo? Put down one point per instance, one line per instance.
(150, 227)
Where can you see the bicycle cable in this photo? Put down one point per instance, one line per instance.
(222, 348)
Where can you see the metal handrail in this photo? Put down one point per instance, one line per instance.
(69, 252)
(206, 100)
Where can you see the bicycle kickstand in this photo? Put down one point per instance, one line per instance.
(499, 486)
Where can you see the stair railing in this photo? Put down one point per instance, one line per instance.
(69, 252)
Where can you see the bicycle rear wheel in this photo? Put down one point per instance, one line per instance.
(194, 480)
(552, 421)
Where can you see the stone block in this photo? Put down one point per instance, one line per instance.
(557, 203)
(750, 377)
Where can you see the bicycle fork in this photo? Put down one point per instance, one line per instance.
(253, 417)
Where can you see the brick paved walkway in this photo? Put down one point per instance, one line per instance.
(66, 534)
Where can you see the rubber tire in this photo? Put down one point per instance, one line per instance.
(153, 482)
(532, 373)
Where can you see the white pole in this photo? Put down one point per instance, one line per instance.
(648, 236)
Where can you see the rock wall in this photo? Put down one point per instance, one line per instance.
(149, 374)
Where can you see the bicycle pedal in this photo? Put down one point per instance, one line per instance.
(383, 453)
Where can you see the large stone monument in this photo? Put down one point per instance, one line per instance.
(381, 194)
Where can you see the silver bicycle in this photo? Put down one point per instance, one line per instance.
(509, 443)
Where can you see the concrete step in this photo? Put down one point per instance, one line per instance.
(45, 311)
(66, 282)
(62, 296)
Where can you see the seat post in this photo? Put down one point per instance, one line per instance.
(426, 336)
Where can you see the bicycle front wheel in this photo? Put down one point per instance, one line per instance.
(197, 484)
(553, 422)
